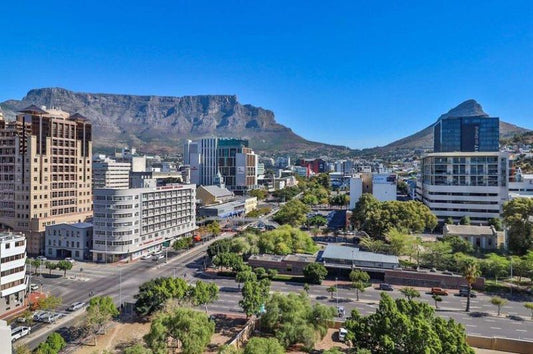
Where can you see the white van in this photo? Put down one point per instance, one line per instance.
(19, 332)
(342, 334)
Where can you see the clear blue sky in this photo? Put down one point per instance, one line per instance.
(358, 73)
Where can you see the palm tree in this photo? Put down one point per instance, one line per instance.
(331, 290)
(471, 272)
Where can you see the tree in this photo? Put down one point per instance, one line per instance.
(465, 220)
(373, 245)
(53, 344)
(402, 326)
(203, 293)
(64, 266)
(100, 311)
(229, 260)
(306, 288)
(245, 275)
(184, 242)
(22, 349)
(399, 242)
(471, 273)
(314, 273)
(437, 299)
(254, 296)
(260, 194)
(495, 266)
(219, 246)
(258, 345)
(410, 293)
(50, 302)
(137, 348)
(499, 302)
(497, 223)
(272, 273)
(153, 294)
(50, 266)
(317, 220)
(260, 272)
(182, 328)
(292, 213)
(359, 281)
(292, 319)
(436, 253)
(35, 263)
(516, 216)
(529, 306)
(285, 240)
(332, 290)
(449, 220)
(403, 187)
(458, 244)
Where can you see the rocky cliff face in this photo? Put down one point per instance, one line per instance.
(162, 123)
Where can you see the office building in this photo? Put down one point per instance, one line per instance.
(45, 174)
(466, 134)
(12, 272)
(210, 158)
(108, 173)
(69, 240)
(383, 186)
(131, 222)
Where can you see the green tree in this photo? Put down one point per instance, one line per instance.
(498, 302)
(285, 240)
(229, 260)
(458, 244)
(260, 194)
(36, 264)
(293, 213)
(315, 273)
(332, 290)
(399, 242)
(50, 302)
(260, 272)
(183, 328)
(184, 242)
(310, 199)
(410, 293)
(359, 281)
(373, 245)
(22, 349)
(437, 299)
(516, 216)
(254, 296)
(54, 344)
(465, 220)
(272, 273)
(246, 275)
(470, 272)
(497, 223)
(258, 345)
(100, 311)
(153, 294)
(449, 220)
(317, 220)
(64, 266)
(50, 266)
(203, 293)
(529, 306)
(435, 254)
(401, 326)
(307, 288)
(495, 266)
(137, 348)
(219, 246)
(403, 187)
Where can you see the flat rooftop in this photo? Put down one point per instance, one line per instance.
(346, 253)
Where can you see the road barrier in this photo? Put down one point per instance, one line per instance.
(501, 344)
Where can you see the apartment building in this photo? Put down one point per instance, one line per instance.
(108, 173)
(210, 158)
(12, 272)
(69, 240)
(45, 172)
(131, 222)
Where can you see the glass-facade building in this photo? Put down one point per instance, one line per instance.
(467, 134)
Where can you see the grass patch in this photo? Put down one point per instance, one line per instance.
(291, 278)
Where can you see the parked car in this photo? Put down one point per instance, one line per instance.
(157, 257)
(385, 287)
(463, 291)
(68, 259)
(76, 306)
(19, 332)
(42, 258)
(439, 291)
(34, 287)
(340, 310)
(342, 334)
(146, 256)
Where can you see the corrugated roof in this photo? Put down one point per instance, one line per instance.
(354, 254)
(474, 230)
(217, 191)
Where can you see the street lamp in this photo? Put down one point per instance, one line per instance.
(337, 291)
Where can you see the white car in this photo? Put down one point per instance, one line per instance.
(76, 306)
(19, 332)
(157, 257)
(146, 256)
(34, 287)
(68, 259)
(342, 334)
(42, 258)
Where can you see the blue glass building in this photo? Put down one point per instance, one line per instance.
(467, 134)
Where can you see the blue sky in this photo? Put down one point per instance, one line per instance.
(357, 73)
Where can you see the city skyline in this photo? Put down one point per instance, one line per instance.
(347, 65)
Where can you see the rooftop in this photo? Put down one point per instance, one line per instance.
(354, 254)
(217, 192)
(472, 230)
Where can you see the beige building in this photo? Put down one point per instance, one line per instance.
(213, 194)
(485, 237)
(45, 172)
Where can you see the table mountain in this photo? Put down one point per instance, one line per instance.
(163, 123)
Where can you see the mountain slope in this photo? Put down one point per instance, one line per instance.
(423, 139)
(163, 123)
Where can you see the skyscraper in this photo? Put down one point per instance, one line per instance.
(466, 134)
(45, 172)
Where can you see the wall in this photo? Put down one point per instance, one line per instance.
(429, 279)
(501, 344)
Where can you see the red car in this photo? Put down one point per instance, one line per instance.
(439, 291)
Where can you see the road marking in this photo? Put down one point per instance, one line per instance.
(521, 330)
(471, 325)
(495, 327)
(490, 320)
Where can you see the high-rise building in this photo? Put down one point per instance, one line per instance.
(13, 272)
(466, 134)
(231, 158)
(45, 172)
(131, 222)
(108, 173)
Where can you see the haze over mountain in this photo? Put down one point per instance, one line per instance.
(162, 123)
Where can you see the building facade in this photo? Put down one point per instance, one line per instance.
(131, 222)
(69, 240)
(466, 134)
(108, 173)
(12, 271)
(45, 172)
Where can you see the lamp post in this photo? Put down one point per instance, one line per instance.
(337, 290)
(120, 287)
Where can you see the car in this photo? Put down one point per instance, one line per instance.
(342, 334)
(146, 256)
(34, 287)
(68, 259)
(385, 287)
(157, 257)
(19, 332)
(438, 291)
(340, 310)
(76, 306)
(42, 258)
(463, 291)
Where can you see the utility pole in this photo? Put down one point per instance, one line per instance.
(120, 287)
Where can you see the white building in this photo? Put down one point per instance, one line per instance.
(12, 271)
(381, 185)
(69, 240)
(458, 184)
(108, 173)
(131, 222)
